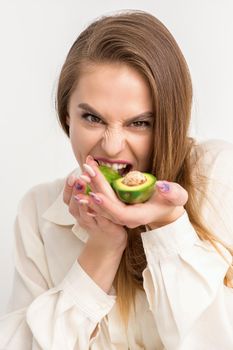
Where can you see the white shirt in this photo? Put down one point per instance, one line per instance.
(55, 305)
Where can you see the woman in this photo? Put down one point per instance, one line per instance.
(95, 273)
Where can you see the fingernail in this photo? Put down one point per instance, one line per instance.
(79, 187)
(71, 180)
(163, 186)
(83, 201)
(85, 178)
(80, 200)
(89, 157)
(91, 160)
(89, 170)
(90, 214)
(96, 199)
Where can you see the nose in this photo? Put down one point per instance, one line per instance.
(113, 142)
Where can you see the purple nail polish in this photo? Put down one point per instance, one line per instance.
(164, 187)
(79, 187)
(77, 198)
(96, 199)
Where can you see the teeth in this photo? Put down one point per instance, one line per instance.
(114, 166)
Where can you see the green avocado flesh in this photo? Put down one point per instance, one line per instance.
(109, 174)
(135, 194)
(128, 194)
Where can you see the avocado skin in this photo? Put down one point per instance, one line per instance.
(135, 194)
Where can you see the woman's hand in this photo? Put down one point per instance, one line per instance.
(103, 250)
(165, 206)
(103, 233)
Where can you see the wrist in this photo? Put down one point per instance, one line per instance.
(175, 214)
(100, 264)
(106, 251)
(106, 247)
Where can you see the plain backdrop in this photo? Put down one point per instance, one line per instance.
(35, 37)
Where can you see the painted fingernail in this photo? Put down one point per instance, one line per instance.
(80, 200)
(83, 201)
(96, 199)
(91, 160)
(71, 180)
(79, 187)
(89, 170)
(163, 186)
(85, 178)
(90, 214)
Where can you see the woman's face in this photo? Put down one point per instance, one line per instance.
(110, 117)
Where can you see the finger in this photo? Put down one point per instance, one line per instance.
(98, 182)
(78, 187)
(86, 219)
(175, 194)
(69, 184)
(117, 212)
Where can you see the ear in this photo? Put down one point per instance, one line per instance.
(68, 120)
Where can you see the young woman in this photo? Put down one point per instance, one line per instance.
(95, 273)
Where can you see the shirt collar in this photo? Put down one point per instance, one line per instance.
(58, 213)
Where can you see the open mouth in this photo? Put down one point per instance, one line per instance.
(121, 168)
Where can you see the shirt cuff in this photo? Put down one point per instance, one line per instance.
(86, 294)
(170, 239)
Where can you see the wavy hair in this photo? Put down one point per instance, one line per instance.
(141, 41)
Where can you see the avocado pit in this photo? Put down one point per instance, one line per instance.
(134, 178)
(135, 187)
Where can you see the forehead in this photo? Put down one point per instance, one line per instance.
(113, 87)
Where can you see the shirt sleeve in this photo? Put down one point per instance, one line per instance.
(43, 316)
(184, 276)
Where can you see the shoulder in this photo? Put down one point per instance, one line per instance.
(38, 198)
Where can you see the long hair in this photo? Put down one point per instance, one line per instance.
(141, 41)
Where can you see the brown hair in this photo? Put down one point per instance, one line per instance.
(141, 41)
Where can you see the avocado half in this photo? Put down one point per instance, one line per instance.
(137, 193)
(128, 194)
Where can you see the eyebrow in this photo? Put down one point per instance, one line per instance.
(88, 108)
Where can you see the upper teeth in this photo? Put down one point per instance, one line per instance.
(114, 166)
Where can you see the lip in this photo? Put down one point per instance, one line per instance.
(118, 161)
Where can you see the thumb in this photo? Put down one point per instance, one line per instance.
(172, 192)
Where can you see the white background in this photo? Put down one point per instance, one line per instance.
(35, 37)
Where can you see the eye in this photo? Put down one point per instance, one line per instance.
(91, 118)
(143, 124)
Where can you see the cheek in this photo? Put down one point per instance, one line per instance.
(145, 150)
(143, 145)
(82, 141)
